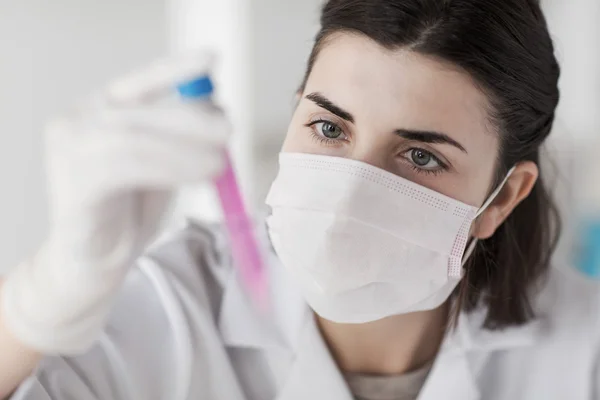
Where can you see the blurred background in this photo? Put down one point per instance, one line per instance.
(54, 53)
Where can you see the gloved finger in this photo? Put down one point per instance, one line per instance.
(201, 124)
(161, 77)
(114, 160)
(152, 204)
(140, 174)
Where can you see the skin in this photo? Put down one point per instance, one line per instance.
(393, 97)
(17, 360)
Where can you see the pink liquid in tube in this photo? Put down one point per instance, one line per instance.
(244, 246)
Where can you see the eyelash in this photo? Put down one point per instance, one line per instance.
(442, 167)
(330, 142)
(433, 172)
(320, 138)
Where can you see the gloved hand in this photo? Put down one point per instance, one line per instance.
(112, 167)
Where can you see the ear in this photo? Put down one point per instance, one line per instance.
(517, 187)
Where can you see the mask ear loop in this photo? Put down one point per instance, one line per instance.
(490, 199)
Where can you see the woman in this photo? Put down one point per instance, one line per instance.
(411, 226)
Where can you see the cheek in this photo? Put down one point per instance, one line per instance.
(475, 173)
(293, 141)
(474, 186)
(481, 179)
(468, 183)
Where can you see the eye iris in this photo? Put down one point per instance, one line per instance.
(420, 157)
(330, 131)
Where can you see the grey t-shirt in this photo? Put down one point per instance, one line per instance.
(393, 387)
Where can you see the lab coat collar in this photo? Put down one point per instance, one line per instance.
(314, 372)
(243, 325)
(473, 337)
(454, 374)
(290, 326)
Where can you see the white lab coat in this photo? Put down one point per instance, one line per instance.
(183, 330)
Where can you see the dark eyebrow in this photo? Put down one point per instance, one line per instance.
(327, 104)
(429, 137)
(416, 135)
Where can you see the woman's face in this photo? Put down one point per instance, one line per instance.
(409, 114)
(400, 111)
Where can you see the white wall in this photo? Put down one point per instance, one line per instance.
(262, 47)
(574, 27)
(575, 141)
(52, 53)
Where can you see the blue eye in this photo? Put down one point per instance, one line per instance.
(327, 132)
(423, 161)
(422, 158)
(328, 129)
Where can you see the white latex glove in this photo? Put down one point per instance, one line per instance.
(112, 168)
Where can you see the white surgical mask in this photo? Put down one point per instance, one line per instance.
(363, 243)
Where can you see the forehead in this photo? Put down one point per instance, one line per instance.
(399, 87)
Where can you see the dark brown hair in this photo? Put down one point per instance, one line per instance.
(504, 45)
